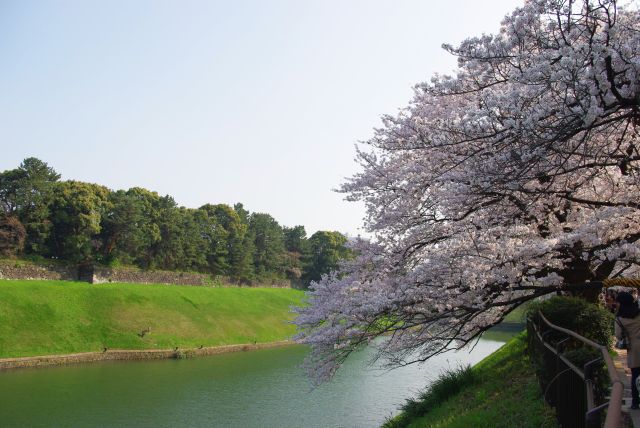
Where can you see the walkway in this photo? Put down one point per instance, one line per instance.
(620, 362)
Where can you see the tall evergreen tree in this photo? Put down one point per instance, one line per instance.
(268, 239)
(215, 238)
(26, 193)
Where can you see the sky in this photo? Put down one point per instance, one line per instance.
(258, 102)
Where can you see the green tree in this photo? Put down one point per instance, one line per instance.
(215, 237)
(295, 239)
(268, 239)
(128, 227)
(242, 268)
(242, 212)
(326, 249)
(167, 252)
(235, 256)
(194, 248)
(26, 192)
(76, 213)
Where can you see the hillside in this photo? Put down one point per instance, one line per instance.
(501, 390)
(56, 317)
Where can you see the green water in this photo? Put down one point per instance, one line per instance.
(251, 389)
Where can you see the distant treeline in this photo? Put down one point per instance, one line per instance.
(77, 222)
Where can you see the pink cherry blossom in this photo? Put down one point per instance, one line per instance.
(512, 179)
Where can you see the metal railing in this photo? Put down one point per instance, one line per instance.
(578, 394)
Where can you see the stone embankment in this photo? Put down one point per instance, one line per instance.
(11, 269)
(130, 355)
(139, 276)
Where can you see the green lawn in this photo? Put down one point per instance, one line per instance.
(504, 393)
(56, 317)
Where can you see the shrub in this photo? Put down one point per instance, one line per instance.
(37, 259)
(578, 315)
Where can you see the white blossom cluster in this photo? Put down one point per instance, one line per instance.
(512, 179)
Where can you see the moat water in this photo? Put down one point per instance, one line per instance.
(265, 388)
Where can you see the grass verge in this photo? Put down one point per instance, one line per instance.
(500, 391)
(60, 317)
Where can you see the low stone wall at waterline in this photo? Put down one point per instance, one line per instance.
(131, 355)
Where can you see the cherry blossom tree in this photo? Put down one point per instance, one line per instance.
(515, 178)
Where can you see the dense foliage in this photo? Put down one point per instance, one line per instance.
(587, 319)
(87, 223)
(513, 178)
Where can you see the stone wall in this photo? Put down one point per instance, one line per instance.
(14, 269)
(10, 269)
(139, 276)
(128, 355)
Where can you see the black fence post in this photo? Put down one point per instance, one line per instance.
(573, 392)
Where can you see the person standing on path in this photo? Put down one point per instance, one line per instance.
(628, 324)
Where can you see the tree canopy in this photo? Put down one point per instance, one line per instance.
(26, 192)
(515, 177)
(84, 223)
(326, 250)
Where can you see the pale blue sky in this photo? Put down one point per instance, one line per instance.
(259, 102)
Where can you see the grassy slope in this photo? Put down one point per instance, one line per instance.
(506, 395)
(56, 317)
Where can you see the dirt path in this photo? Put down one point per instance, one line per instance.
(620, 362)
